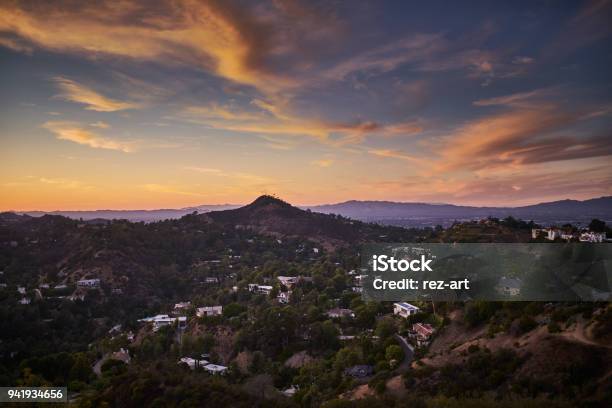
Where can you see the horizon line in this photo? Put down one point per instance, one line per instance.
(300, 205)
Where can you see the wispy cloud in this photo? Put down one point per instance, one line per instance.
(75, 92)
(72, 132)
(395, 154)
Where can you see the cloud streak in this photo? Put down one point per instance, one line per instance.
(72, 132)
(74, 92)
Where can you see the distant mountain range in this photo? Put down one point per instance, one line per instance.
(134, 215)
(391, 213)
(422, 214)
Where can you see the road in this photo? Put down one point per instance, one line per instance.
(408, 354)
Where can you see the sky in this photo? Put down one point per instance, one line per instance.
(175, 103)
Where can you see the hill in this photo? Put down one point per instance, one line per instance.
(272, 216)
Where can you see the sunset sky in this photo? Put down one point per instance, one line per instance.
(177, 103)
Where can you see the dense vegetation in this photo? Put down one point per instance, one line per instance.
(146, 268)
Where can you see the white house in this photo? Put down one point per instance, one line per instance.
(89, 283)
(193, 363)
(404, 309)
(593, 236)
(21, 290)
(549, 233)
(162, 320)
(182, 305)
(265, 289)
(283, 297)
(215, 369)
(25, 301)
(208, 311)
(288, 281)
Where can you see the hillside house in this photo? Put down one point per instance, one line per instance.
(162, 320)
(288, 281)
(263, 289)
(591, 236)
(283, 297)
(423, 333)
(88, 283)
(404, 309)
(215, 369)
(208, 311)
(193, 363)
(549, 233)
(182, 306)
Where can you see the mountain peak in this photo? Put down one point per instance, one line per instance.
(268, 201)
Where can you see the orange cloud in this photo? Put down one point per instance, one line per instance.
(213, 35)
(74, 92)
(73, 133)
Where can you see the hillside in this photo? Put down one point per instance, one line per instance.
(211, 259)
(272, 216)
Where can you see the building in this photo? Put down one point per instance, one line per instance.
(264, 289)
(591, 236)
(339, 313)
(25, 301)
(182, 305)
(215, 369)
(549, 233)
(162, 320)
(404, 309)
(508, 286)
(21, 290)
(283, 297)
(288, 281)
(89, 283)
(208, 311)
(193, 363)
(290, 392)
(423, 333)
(359, 279)
(211, 280)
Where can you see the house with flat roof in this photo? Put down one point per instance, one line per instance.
(208, 311)
(88, 283)
(182, 305)
(162, 320)
(404, 309)
(263, 289)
